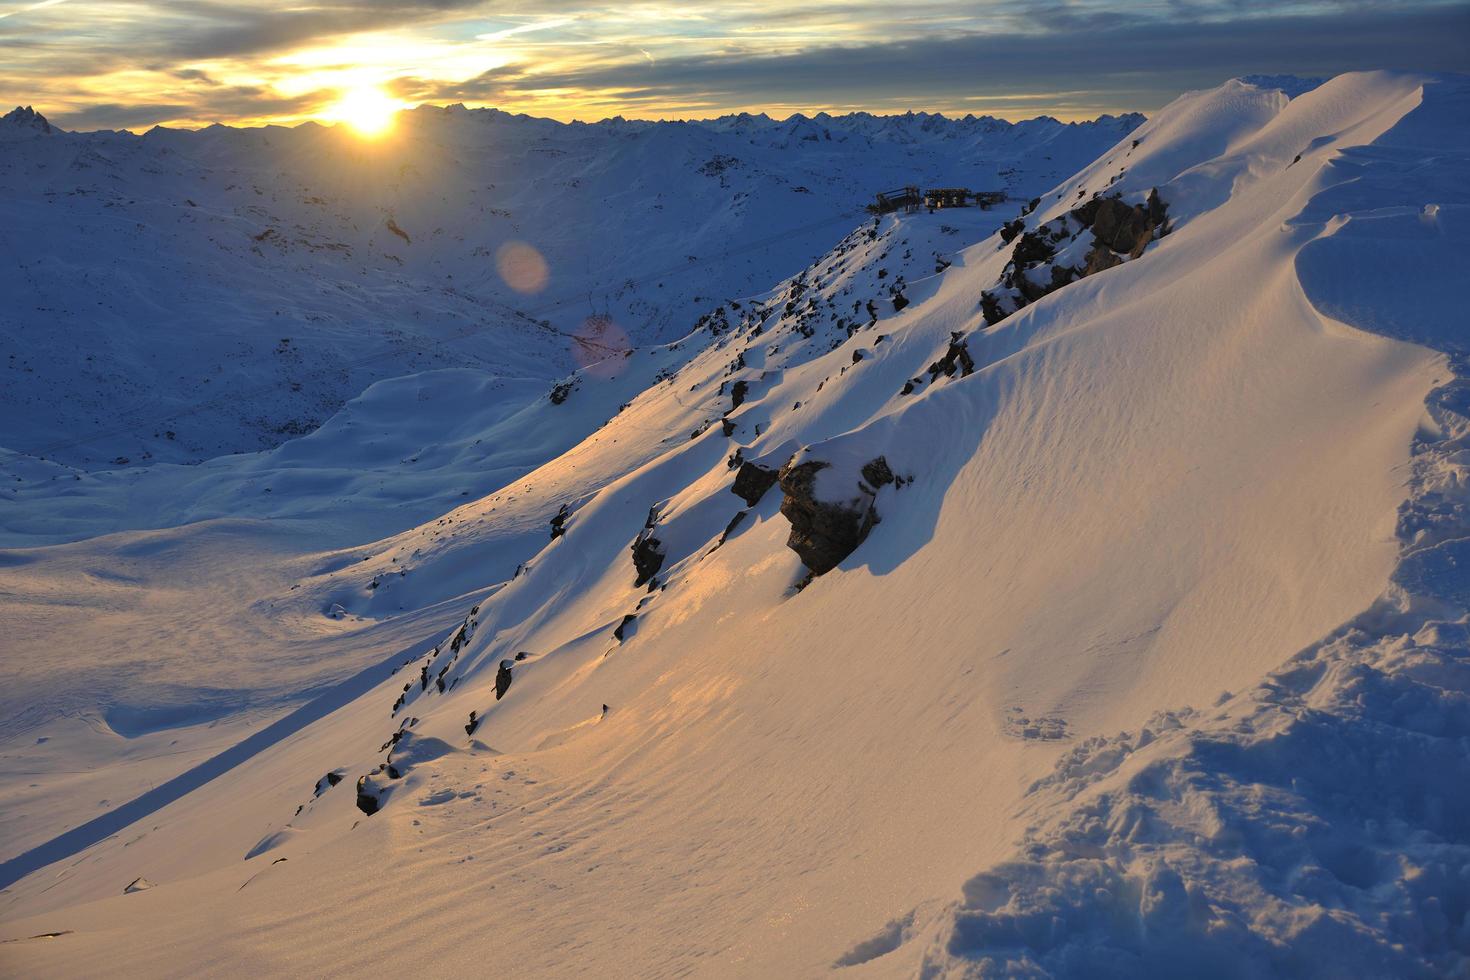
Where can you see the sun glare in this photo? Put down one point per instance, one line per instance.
(367, 110)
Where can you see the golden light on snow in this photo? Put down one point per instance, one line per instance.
(522, 267)
(368, 110)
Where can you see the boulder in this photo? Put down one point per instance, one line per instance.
(502, 678)
(752, 481)
(648, 556)
(559, 522)
(828, 526)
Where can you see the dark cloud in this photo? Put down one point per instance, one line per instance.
(110, 115)
(183, 31)
(223, 102)
(1124, 61)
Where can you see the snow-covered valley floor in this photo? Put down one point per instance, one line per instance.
(1140, 643)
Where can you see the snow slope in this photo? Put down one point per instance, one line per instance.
(1218, 465)
(238, 286)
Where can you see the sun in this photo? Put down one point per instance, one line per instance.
(367, 110)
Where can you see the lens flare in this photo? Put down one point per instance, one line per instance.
(522, 267)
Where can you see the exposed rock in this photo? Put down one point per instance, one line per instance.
(824, 531)
(990, 307)
(876, 473)
(738, 391)
(957, 357)
(474, 723)
(558, 523)
(1119, 229)
(502, 678)
(628, 620)
(392, 226)
(1099, 259)
(369, 793)
(328, 781)
(1033, 247)
(1124, 228)
(648, 556)
(752, 481)
(735, 522)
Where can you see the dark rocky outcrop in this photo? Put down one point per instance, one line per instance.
(990, 308)
(956, 358)
(1126, 229)
(474, 723)
(823, 532)
(559, 522)
(752, 481)
(738, 391)
(328, 781)
(877, 474)
(648, 557)
(628, 620)
(502, 678)
(1033, 247)
(1120, 231)
(735, 522)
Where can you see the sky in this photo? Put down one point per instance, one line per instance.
(132, 64)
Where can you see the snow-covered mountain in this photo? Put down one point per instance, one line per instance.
(1070, 593)
(238, 286)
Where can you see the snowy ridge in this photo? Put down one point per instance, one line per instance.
(841, 598)
(1314, 825)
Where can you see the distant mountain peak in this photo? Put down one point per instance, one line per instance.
(24, 117)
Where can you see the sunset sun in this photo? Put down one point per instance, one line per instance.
(367, 110)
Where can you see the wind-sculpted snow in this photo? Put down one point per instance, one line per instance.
(1315, 825)
(636, 721)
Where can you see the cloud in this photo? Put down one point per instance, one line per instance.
(1143, 62)
(115, 62)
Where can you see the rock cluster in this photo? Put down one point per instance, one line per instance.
(1120, 231)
